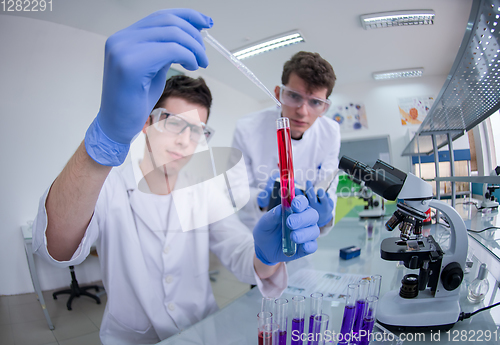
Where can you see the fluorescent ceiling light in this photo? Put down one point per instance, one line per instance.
(397, 18)
(269, 44)
(400, 73)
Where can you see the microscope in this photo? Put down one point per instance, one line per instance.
(428, 300)
(374, 207)
(489, 200)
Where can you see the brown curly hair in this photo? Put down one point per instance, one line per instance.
(313, 69)
(192, 90)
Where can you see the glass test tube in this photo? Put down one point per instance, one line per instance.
(263, 318)
(316, 309)
(376, 281)
(268, 334)
(369, 229)
(368, 319)
(267, 304)
(364, 286)
(285, 158)
(298, 316)
(281, 318)
(349, 314)
(320, 325)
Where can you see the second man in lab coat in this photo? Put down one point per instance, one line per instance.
(307, 82)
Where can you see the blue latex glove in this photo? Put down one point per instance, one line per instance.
(264, 196)
(321, 203)
(267, 232)
(136, 61)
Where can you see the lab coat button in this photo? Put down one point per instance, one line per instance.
(171, 306)
(166, 249)
(169, 279)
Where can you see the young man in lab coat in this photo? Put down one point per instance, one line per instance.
(307, 82)
(154, 271)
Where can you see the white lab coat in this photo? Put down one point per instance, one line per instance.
(157, 282)
(315, 156)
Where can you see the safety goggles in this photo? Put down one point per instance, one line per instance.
(292, 98)
(176, 124)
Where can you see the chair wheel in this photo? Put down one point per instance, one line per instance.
(97, 289)
(55, 297)
(99, 302)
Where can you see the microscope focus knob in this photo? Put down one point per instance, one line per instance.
(452, 276)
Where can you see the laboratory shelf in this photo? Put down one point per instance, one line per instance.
(472, 179)
(471, 92)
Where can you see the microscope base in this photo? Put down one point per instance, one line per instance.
(488, 204)
(421, 313)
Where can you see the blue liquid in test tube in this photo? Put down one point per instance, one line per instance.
(298, 317)
(349, 313)
(368, 319)
(316, 309)
(364, 286)
(281, 312)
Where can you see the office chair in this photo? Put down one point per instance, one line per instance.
(77, 291)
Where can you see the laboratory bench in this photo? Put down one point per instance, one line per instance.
(236, 323)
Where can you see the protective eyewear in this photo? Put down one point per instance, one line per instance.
(296, 99)
(173, 123)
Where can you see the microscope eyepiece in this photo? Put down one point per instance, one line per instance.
(358, 171)
(382, 179)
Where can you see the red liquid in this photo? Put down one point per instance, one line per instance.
(285, 158)
(286, 166)
(267, 340)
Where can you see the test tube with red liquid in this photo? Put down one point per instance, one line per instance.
(287, 189)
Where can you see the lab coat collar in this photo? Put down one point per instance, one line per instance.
(133, 175)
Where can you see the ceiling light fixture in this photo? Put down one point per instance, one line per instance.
(397, 18)
(400, 73)
(269, 44)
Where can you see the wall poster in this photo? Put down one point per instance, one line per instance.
(413, 110)
(350, 117)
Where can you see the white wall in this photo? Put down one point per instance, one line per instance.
(50, 86)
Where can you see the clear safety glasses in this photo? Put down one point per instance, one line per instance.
(296, 99)
(176, 124)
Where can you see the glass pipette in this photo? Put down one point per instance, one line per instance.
(234, 60)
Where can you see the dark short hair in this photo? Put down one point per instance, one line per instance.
(192, 90)
(313, 69)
